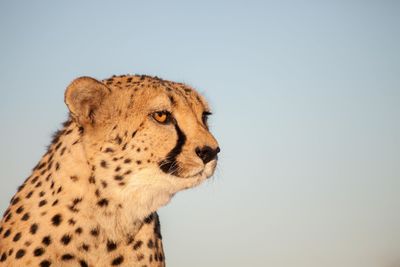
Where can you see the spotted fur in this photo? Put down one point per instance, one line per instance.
(92, 198)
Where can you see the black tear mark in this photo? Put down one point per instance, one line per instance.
(169, 164)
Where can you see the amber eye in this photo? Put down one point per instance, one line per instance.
(163, 117)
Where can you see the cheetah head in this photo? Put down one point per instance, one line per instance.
(146, 137)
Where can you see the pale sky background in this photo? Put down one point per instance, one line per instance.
(306, 100)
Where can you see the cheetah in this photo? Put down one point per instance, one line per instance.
(130, 143)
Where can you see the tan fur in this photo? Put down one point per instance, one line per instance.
(101, 175)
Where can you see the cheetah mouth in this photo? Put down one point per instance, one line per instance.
(206, 172)
(176, 170)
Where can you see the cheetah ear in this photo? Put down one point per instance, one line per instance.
(84, 97)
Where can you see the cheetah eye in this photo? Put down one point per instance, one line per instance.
(204, 117)
(163, 117)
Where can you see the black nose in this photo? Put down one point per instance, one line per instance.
(206, 153)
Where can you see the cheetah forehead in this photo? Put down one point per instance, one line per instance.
(143, 88)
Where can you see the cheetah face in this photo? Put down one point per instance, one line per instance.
(146, 125)
(176, 132)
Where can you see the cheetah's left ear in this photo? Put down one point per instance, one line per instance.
(84, 97)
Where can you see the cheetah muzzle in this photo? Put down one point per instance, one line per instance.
(130, 144)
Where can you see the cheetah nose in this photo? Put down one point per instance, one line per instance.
(206, 153)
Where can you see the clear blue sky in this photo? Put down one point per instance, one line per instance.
(306, 96)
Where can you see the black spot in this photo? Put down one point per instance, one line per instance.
(137, 245)
(3, 257)
(34, 228)
(118, 139)
(65, 239)
(48, 168)
(149, 219)
(94, 232)
(56, 220)
(171, 98)
(92, 180)
(71, 221)
(83, 263)
(58, 146)
(169, 164)
(78, 230)
(134, 133)
(67, 257)
(85, 247)
(45, 263)
(42, 203)
(20, 253)
(20, 187)
(46, 240)
(125, 145)
(127, 161)
(38, 252)
(103, 164)
(160, 257)
(17, 237)
(150, 244)
(138, 162)
(20, 210)
(118, 177)
(29, 194)
(103, 202)
(15, 201)
(117, 261)
(41, 166)
(69, 131)
(75, 202)
(6, 212)
(25, 217)
(7, 233)
(8, 217)
(111, 245)
(109, 150)
(34, 179)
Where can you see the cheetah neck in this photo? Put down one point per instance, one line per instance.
(81, 189)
